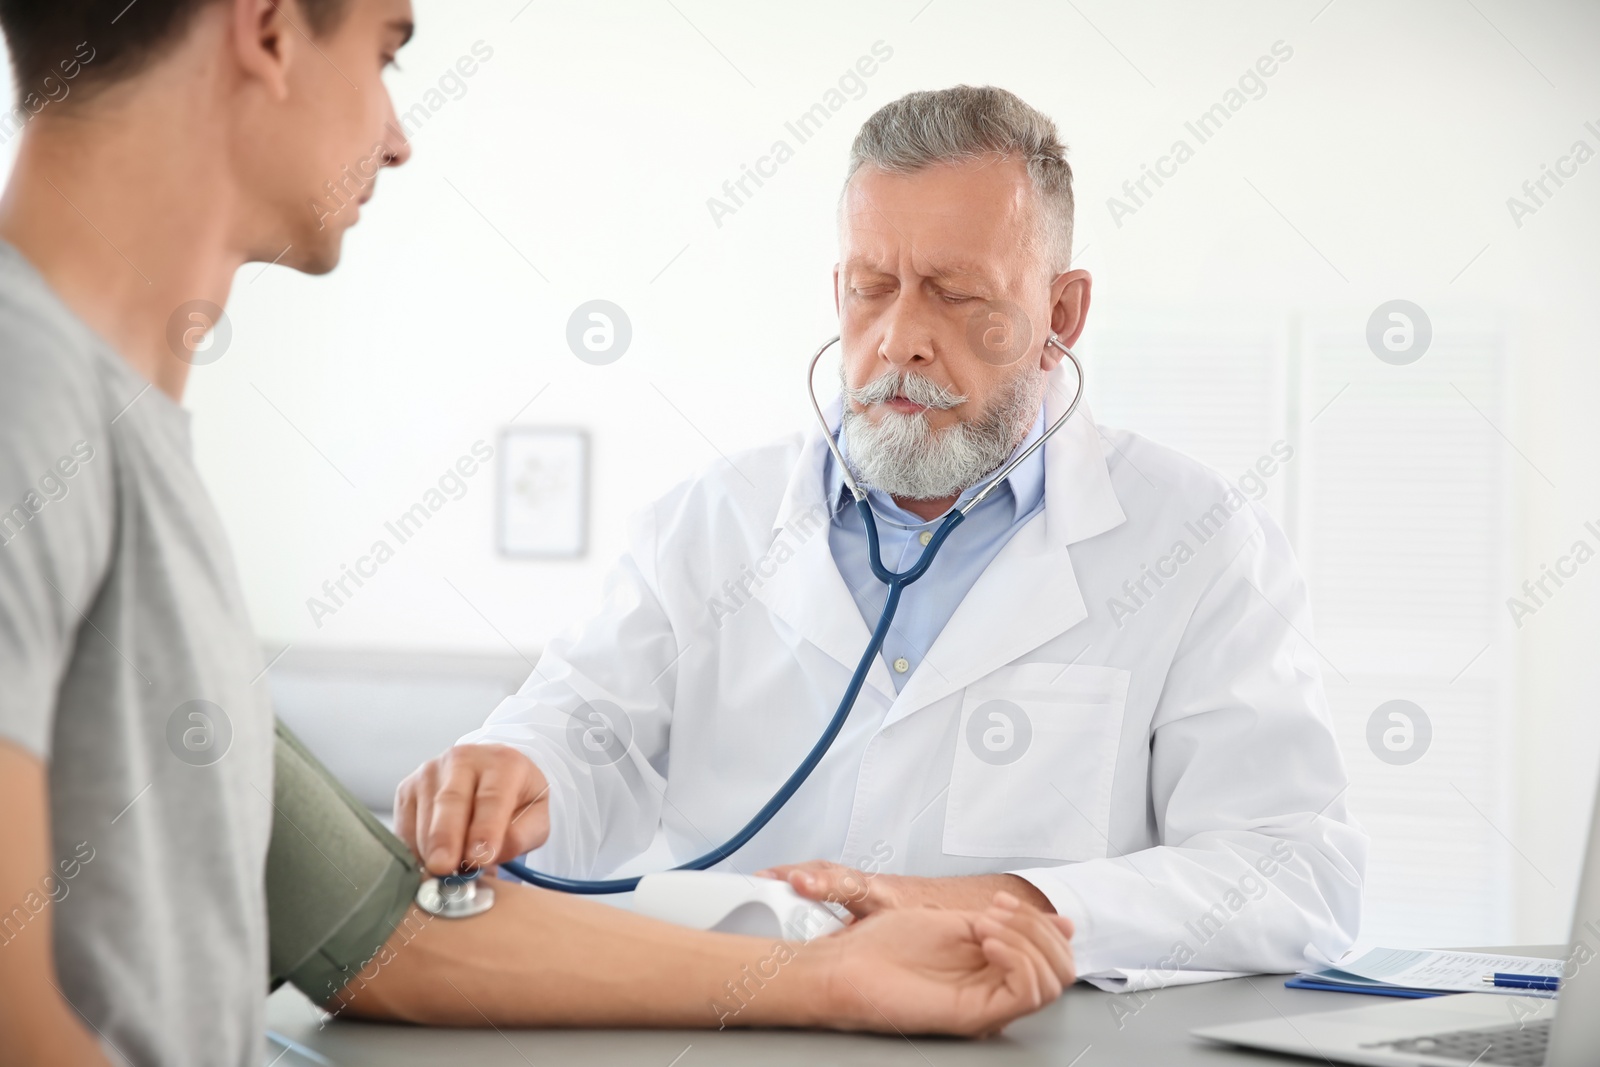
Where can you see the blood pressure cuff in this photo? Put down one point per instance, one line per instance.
(338, 882)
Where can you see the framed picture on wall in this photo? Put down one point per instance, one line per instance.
(543, 510)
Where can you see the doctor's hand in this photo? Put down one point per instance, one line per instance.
(864, 893)
(473, 806)
(861, 893)
(954, 972)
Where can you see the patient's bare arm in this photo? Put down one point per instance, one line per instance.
(546, 959)
(345, 931)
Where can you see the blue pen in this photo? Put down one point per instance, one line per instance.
(1541, 982)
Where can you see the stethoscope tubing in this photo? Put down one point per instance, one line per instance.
(896, 582)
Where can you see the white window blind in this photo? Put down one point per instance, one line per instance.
(1404, 531)
(1216, 396)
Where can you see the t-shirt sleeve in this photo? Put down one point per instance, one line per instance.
(57, 502)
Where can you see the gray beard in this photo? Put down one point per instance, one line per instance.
(904, 456)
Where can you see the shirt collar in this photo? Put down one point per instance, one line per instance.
(1023, 487)
(1079, 499)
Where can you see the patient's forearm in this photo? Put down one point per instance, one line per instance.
(547, 959)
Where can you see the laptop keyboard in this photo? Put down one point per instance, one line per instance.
(1513, 1046)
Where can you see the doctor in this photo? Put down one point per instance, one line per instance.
(1102, 696)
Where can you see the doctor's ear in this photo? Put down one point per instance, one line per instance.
(1069, 309)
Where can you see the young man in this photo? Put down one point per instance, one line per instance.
(165, 146)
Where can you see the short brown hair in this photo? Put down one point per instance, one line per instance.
(42, 35)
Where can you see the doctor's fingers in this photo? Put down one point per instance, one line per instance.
(443, 828)
(413, 803)
(823, 880)
(510, 813)
(405, 814)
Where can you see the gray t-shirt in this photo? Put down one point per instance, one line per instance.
(130, 668)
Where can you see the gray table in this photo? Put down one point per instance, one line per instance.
(1085, 1027)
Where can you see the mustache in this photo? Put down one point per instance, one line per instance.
(910, 385)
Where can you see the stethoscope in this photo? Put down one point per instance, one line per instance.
(462, 895)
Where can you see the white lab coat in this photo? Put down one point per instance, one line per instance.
(1179, 794)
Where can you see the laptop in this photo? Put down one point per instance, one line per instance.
(1461, 1029)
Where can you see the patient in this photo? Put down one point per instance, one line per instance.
(345, 932)
(162, 148)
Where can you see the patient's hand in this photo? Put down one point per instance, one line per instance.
(473, 806)
(958, 972)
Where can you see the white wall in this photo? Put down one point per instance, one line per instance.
(1377, 165)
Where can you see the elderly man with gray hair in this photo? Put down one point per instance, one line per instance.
(1100, 697)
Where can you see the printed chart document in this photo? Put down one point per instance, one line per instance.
(1434, 971)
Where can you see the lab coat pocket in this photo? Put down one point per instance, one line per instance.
(1035, 755)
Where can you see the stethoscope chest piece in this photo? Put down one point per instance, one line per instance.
(456, 896)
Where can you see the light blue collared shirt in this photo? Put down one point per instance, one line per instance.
(927, 604)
